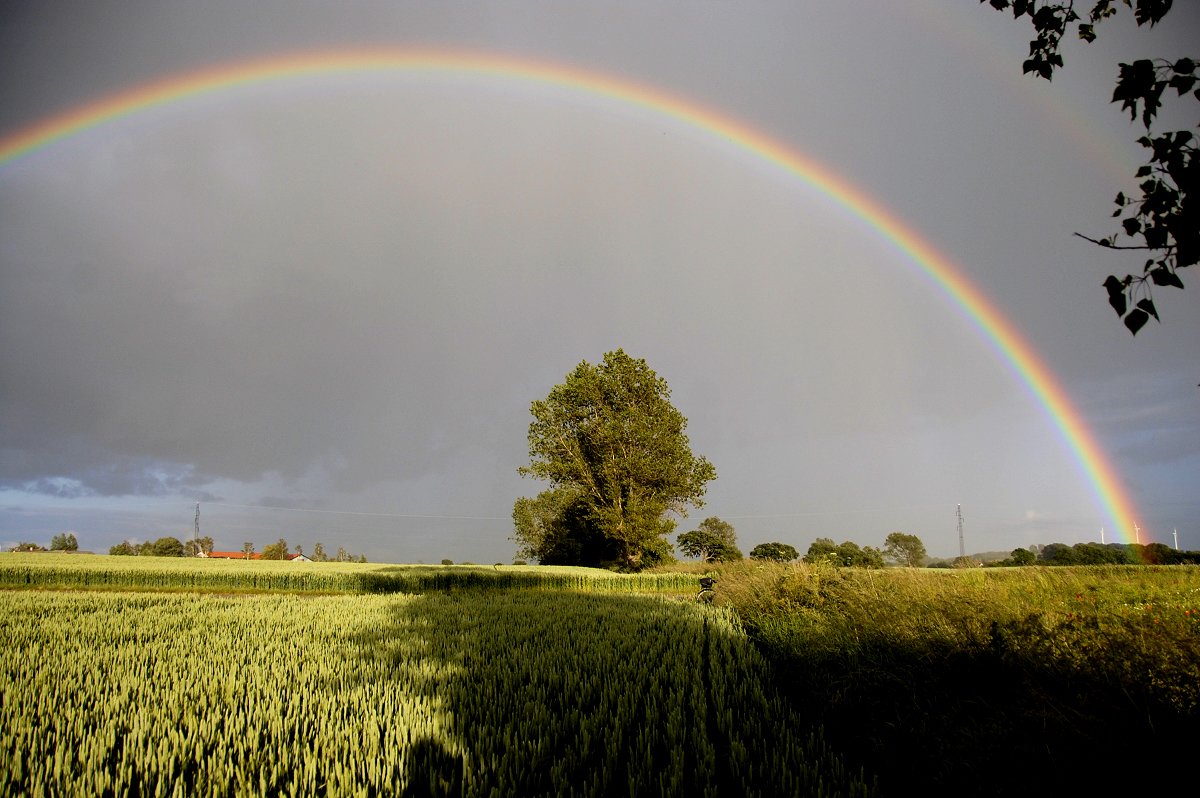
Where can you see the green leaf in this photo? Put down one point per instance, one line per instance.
(1182, 84)
(1136, 320)
(1151, 11)
(1148, 307)
(1164, 276)
(1156, 237)
(1116, 294)
(1137, 83)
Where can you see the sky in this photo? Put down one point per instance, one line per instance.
(319, 306)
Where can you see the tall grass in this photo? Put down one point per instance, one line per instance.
(959, 673)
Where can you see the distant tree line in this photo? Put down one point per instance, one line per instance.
(847, 554)
(62, 542)
(279, 551)
(715, 541)
(1101, 554)
(163, 547)
(173, 547)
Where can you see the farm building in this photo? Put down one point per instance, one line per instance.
(234, 555)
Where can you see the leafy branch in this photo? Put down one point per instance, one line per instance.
(1163, 218)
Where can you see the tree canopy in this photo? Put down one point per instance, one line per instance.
(166, 546)
(847, 555)
(905, 549)
(1023, 556)
(615, 452)
(713, 541)
(779, 552)
(64, 542)
(275, 551)
(1162, 220)
(163, 547)
(555, 528)
(193, 547)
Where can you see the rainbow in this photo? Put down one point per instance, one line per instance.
(996, 329)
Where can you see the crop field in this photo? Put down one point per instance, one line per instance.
(159, 676)
(98, 572)
(463, 691)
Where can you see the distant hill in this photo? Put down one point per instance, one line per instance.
(992, 556)
(984, 557)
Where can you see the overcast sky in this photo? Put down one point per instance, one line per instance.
(339, 294)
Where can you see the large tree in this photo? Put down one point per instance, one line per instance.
(615, 452)
(1161, 222)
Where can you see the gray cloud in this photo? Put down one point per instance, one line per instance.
(343, 292)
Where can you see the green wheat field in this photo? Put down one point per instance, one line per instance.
(153, 676)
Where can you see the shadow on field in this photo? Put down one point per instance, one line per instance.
(547, 693)
(433, 769)
(420, 580)
(990, 723)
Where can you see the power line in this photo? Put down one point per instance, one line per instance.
(841, 512)
(359, 513)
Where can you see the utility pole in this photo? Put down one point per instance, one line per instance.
(962, 547)
(196, 533)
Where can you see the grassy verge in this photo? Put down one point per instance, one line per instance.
(987, 682)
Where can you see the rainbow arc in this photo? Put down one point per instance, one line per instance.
(724, 130)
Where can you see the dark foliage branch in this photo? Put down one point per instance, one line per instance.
(1163, 219)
